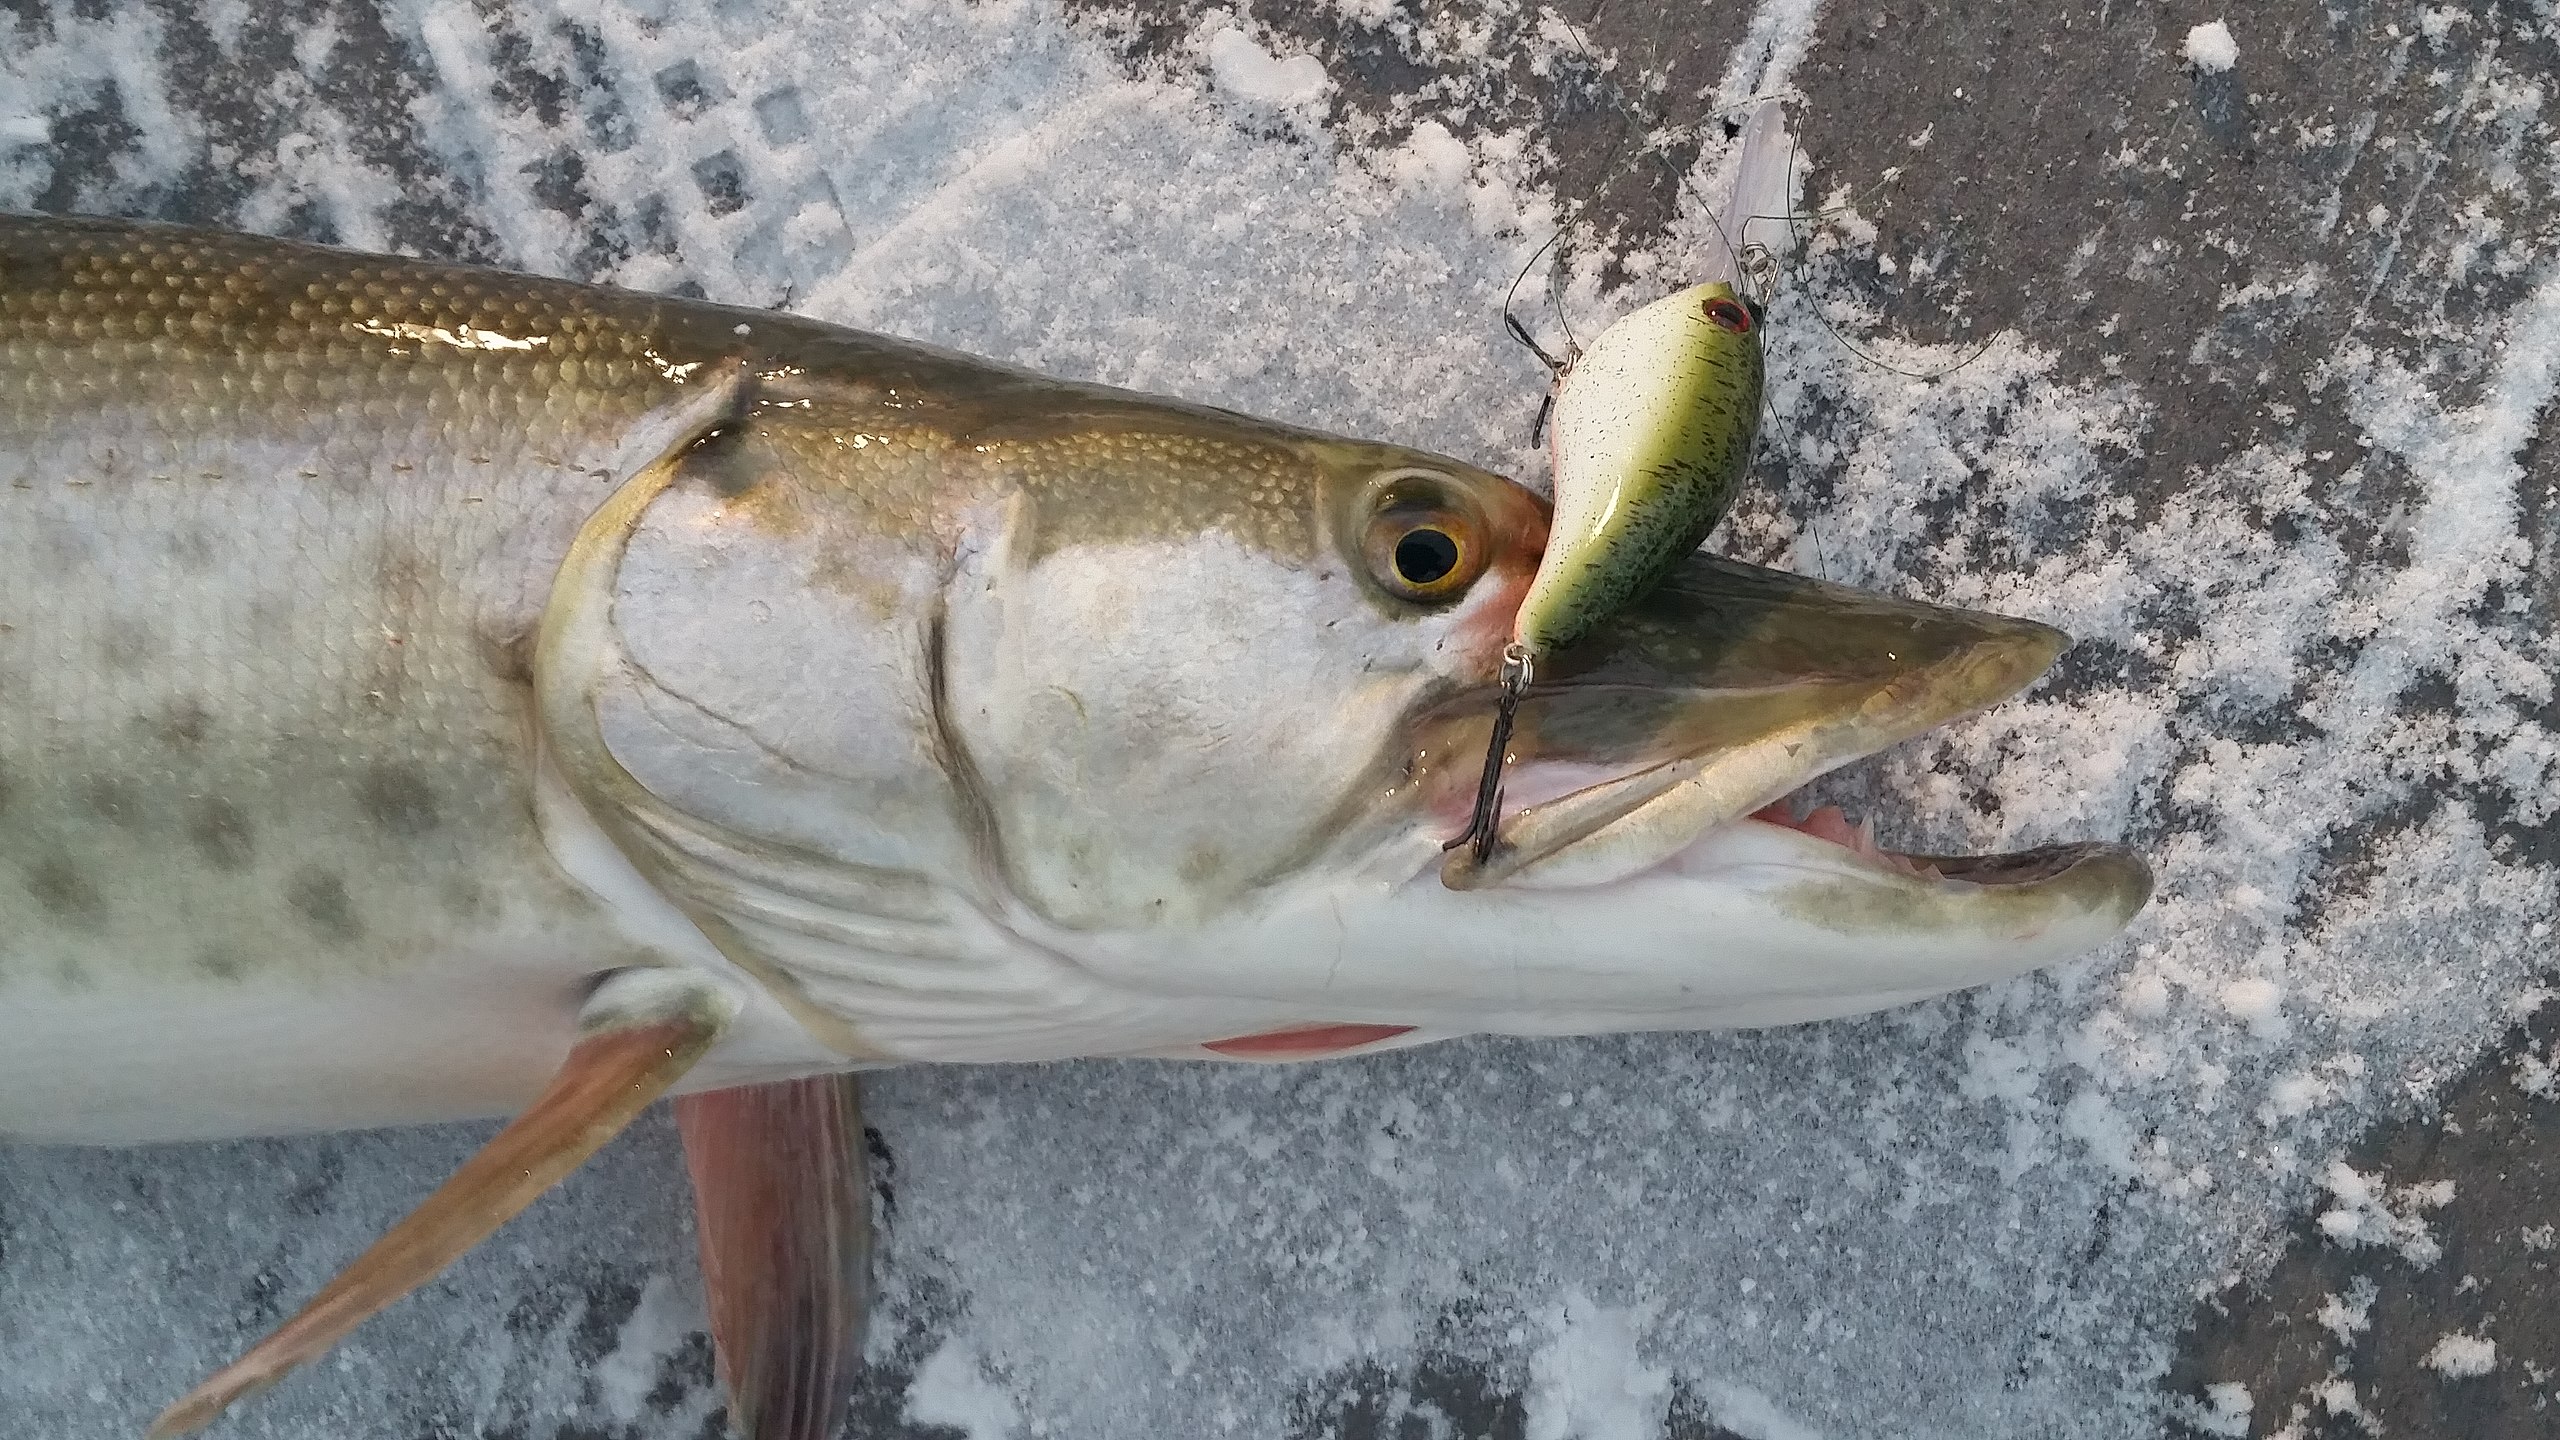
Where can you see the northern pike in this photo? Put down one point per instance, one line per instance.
(428, 692)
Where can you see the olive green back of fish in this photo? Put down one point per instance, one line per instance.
(1652, 434)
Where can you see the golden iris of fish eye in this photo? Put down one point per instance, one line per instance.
(1407, 517)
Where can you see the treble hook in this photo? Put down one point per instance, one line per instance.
(1484, 825)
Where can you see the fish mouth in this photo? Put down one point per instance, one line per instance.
(1676, 738)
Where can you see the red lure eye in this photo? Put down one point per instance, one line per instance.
(1729, 316)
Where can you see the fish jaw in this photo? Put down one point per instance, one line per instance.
(1751, 925)
(1733, 687)
(1656, 880)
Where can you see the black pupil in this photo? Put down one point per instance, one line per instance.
(1424, 556)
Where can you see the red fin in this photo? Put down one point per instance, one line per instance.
(1305, 1042)
(784, 1211)
(609, 1077)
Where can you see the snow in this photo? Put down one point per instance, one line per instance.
(2325, 745)
(1254, 75)
(2367, 1212)
(951, 1389)
(1586, 1383)
(2231, 1405)
(2457, 1356)
(2210, 48)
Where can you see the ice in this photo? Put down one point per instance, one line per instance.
(2210, 48)
(2310, 686)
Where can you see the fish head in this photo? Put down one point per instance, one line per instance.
(1139, 729)
(1650, 871)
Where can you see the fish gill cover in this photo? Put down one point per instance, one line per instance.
(2258, 365)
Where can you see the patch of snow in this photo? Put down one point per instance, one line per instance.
(2210, 48)
(2257, 1002)
(1254, 75)
(2457, 1356)
(2367, 1212)
(951, 1389)
(1586, 1382)
(2230, 1404)
(2348, 1316)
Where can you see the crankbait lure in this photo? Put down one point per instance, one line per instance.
(1650, 431)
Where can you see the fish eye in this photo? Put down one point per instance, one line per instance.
(1728, 316)
(1423, 542)
(1424, 556)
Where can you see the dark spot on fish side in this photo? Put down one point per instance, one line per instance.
(319, 896)
(401, 576)
(507, 657)
(7, 789)
(111, 799)
(397, 799)
(185, 723)
(65, 894)
(68, 553)
(193, 552)
(221, 834)
(718, 459)
(222, 962)
(466, 900)
(127, 645)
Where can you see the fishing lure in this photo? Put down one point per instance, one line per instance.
(1650, 432)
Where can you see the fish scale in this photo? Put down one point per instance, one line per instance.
(271, 583)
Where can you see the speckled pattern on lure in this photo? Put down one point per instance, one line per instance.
(1651, 436)
(427, 692)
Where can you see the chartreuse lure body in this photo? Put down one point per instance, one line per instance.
(1651, 435)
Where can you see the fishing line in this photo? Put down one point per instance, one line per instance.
(1654, 142)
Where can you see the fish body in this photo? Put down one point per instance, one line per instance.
(273, 540)
(430, 692)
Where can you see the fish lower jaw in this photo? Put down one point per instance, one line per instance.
(1823, 838)
(1831, 824)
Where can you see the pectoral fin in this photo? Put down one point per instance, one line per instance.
(639, 1031)
(784, 1212)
